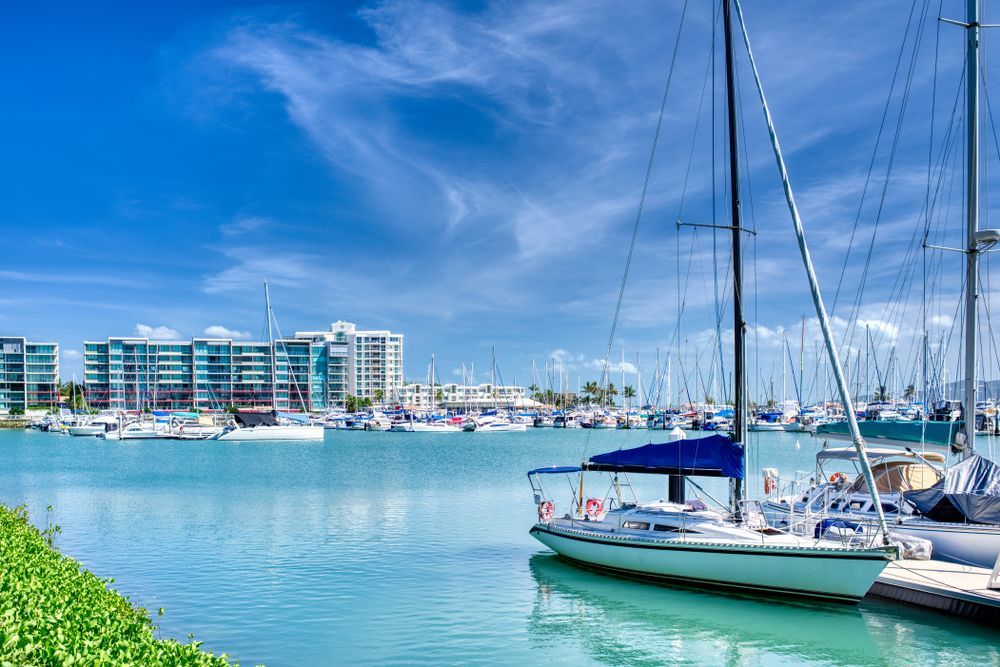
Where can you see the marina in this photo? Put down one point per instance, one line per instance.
(758, 415)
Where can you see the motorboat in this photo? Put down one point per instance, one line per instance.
(265, 426)
(905, 483)
(429, 426)
(100, 425)
(686, 541)
(135, 430)
(493, 424)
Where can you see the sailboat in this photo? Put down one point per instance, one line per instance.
(271, 426)
(683, 540)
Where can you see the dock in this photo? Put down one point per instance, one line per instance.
(960, 590)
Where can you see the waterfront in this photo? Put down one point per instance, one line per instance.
(390, 548)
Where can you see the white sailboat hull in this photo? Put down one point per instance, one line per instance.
(274, 433)
(817, 572)
(965, 543)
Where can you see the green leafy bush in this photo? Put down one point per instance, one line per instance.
(53, 612)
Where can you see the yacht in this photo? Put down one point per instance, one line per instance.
(902, 478)
(135, 430)
(686, 541)
(100, 425)
(265, 426)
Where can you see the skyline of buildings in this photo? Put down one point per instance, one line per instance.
(29, 373)
(310, 371)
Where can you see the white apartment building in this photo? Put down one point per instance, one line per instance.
(457, 396)
(373, 359)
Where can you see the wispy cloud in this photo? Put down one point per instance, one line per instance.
(242, 225)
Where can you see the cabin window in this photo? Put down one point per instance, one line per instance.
(858, 504)
(673, 529)
(888, 508)
(636, 525)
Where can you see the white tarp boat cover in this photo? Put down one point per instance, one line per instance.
(969, 490)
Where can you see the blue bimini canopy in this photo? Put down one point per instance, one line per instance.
(714, 456)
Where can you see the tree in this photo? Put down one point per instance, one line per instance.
(910, 393)
(881, 394)
(591, 392)
(17, 411)
(351, 403)
(365, 402)
(379, 395)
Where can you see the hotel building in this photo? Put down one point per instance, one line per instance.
(372, 361)
(312, 371)
(29, 374)
(469, 397)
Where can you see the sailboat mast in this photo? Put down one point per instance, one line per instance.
(972, 222)
(739, 326)
(821, 315)
(270, 348)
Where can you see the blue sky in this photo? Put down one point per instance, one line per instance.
(465, 173)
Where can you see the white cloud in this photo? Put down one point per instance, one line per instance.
(71, 354)
(219, 331)
(943, 321)
(242, 225)
(157, 333)
(886, 328)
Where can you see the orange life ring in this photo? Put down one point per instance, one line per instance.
(545, 510)
(594, 507)
(837, 477)
(768, 485)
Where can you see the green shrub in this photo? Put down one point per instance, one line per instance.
(54, 612)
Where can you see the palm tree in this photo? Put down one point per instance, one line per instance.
(379, 395)
(910, 393)
(629, 393)
(591, 392)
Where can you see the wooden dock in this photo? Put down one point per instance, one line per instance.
(960, 590)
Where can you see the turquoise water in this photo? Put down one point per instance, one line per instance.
(413, 548)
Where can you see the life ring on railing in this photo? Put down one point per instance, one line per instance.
(545, 510)
(768, 485)
(594, 507)
(838, 478)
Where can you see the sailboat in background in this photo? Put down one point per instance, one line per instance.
(272, 426)
(684, 540)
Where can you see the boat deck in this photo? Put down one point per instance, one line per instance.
(962, 590)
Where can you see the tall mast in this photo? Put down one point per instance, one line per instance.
(824, 321)
(270, 348)
(739, 326)
(972, 202)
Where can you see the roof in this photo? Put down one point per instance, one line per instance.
(850, 454)
(713, 456)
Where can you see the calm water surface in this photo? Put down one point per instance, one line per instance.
(414, 548)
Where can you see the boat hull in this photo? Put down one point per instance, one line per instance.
(965, 543)
(92, 431)
(830, 574)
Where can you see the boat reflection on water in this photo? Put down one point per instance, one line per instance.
(626, 622)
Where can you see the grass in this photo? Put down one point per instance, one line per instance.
(54, 612)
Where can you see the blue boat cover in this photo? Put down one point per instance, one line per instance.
(970, 490)
(713, 456)
(554, 470)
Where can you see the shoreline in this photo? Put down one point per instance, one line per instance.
(50, 607)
